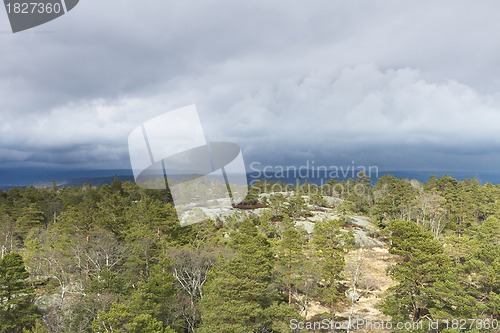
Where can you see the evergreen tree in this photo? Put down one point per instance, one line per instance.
(17, 308)
(122, 319)
(421, 265)
(37, 328)
(331, 245)
(238, 291)
(290, 256)
(394, 199)
(485, 266)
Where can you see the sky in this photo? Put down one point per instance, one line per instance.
(401, 85)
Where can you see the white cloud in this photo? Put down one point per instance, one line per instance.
(287, 80)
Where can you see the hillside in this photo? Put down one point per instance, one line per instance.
(114, 258)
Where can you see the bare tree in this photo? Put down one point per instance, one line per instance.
(354, 271)
(190, 269)
(7, 235)
(99, 251)
(432, 212)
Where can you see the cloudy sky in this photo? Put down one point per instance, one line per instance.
(396, 84)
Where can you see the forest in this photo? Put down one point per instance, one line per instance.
(114, 258)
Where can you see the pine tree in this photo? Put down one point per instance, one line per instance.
(238, 290)
(122, 319)
(486, 266)
(421, 267)
(37, 328)
(331, 245)
(147, 310)
(17, 308)
(395, 199)
(290, 255)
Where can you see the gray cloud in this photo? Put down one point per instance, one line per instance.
(394, 84)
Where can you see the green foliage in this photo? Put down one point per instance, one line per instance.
(147, 310)
(239, 288)
(37, 328)
(115, 258)
(344, 208)
(121, 319)
(17, 308)
(331, 244)
(295, 206)
(155, 295)
(291, 257)
(422, 264)
(394, 199)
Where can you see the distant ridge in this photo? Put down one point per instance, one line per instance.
(319, 178)
(44, 177)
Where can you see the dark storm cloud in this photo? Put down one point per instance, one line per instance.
(400, 85)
